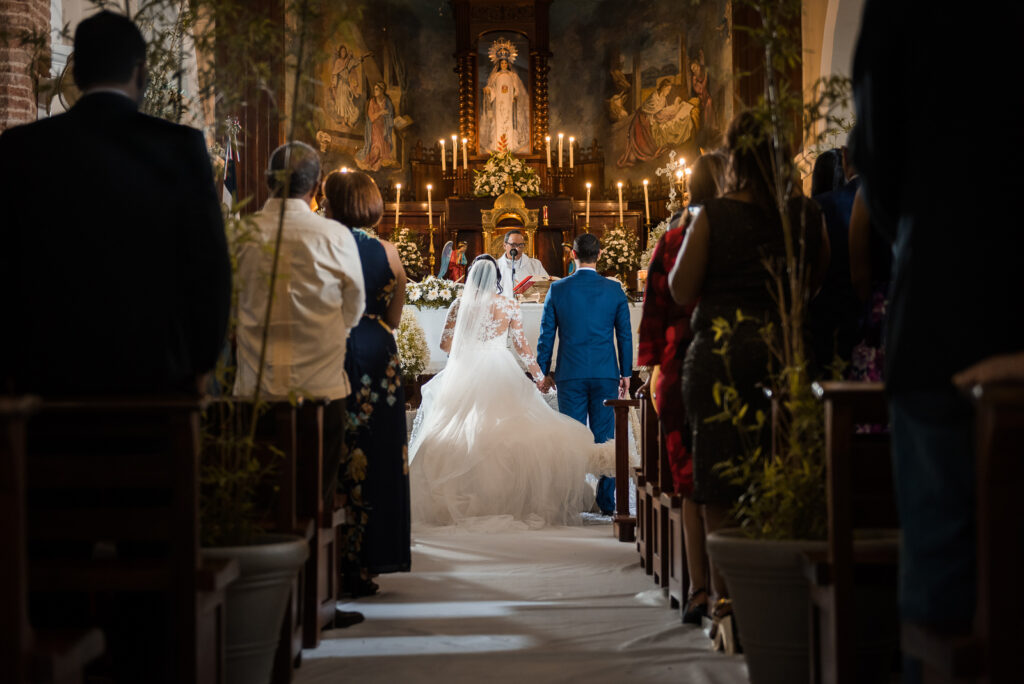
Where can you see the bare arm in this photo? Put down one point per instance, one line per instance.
(393, 316)
(860, 247)
(449, 327)
(686, 279)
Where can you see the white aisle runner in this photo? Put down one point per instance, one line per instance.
(554, 605)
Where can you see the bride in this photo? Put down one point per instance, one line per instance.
(486, 450)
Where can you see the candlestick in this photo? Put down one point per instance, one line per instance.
(560, 136)
(679, 179)
(647, 206)
(587, 221)
(621, 220)
(455, 153)
(444, 163)
(572, 140)
(430, 206)
(398, 198)
(465, 157)
(686, 179)
(545, 207)
(547, 148)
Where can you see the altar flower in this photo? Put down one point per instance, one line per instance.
(502, 169)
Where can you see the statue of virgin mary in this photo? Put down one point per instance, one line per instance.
(504, 109)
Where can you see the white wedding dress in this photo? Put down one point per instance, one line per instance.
(487, 452)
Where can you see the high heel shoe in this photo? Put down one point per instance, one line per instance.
(725, 637)
(694, 613)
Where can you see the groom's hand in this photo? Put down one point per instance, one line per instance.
(623, 388)
(546, 384)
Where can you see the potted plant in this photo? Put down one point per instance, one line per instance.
(782, 512)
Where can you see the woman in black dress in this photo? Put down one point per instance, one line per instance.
(721, 269)
(374, 478)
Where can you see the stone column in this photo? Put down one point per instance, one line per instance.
(24, 58)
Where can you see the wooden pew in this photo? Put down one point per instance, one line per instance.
(644, 479)
(27, 654)
(624, 524)
(320, 593)
(990, 654)
(860, 497)
(113, 532)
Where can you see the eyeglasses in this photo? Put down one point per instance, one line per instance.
(518, 245)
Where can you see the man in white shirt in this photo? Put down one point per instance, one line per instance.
(319, 296)
(524, 265)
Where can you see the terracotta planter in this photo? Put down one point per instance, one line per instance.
(256, 603)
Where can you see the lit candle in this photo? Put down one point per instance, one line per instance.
(622, 221)
(647, 206)
(430, 206)
(679, 179)
(560, 136)
(686, 179)
(444, 163)
(587, 222)
(455, 153)
(398, 198)
(465, 156)
(571, 141)
(547, 147)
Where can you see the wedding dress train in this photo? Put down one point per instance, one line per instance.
(487, 451)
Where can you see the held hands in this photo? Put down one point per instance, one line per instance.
(623, 388)
(545, 384)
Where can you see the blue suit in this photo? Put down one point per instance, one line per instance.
(589, 313)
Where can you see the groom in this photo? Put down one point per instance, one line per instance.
(585, 309)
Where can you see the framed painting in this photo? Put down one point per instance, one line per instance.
(503, 94)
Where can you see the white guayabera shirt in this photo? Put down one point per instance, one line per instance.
(319, 296)
(525, 266)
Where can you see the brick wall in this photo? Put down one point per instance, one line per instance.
(17, 99)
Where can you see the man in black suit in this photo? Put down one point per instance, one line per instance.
(113, 260)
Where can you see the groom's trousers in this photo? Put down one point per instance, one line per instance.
(583, 399)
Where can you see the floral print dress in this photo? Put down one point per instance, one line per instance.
(374, 477)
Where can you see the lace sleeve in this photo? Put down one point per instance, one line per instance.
(449, 327)
(519, 341)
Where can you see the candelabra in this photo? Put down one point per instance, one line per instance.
(461, 182)
(560, 177)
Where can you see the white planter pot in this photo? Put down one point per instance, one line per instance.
(256, 603)
(770, 598)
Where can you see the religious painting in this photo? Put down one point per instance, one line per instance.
(360, 95)
(654, 109)
(503, 119)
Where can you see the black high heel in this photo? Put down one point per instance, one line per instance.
(694, 613)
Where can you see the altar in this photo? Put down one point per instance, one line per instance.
(432, 322)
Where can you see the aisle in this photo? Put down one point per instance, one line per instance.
(555, 605)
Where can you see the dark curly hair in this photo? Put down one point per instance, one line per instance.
(497, 272)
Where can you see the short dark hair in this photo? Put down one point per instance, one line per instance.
(497, 273)
(514, 231)
(708, 177)
(353, 199)
(304, 164)
(827, 174)
(587, 248)
(108, 47)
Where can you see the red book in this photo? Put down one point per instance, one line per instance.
(523, 285)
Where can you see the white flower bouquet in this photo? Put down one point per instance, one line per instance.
(432, 293)
(501, 169)
(412, 346)
(652, 242)
(619, 252)
(408, 251)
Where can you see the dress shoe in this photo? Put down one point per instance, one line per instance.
(694, 613)
(346, 618)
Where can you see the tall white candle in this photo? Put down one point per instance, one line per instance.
(560, 137)
(547, 147)
(571, 141)
(647, 206)
(686, 178)
(398, 198)
(621, 220)
(455, 152)
(444, 163)
(430, 206)
(587, 222)
(465, 156)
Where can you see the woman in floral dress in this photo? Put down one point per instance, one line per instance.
(374, 478)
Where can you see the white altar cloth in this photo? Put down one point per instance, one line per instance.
(432, 322)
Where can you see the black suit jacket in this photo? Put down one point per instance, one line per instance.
(113, 256)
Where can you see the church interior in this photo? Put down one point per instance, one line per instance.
(480, 122)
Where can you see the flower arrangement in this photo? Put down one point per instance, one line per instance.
(501, 169)
(432, 293)
(408, 250)
(619, 252)
(412, 346)
(652, 242)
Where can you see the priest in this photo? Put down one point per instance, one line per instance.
(515, 258)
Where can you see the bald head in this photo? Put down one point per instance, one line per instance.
(294, 170)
